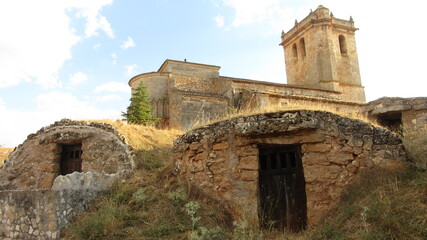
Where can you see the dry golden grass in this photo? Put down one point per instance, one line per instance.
(301, 105)
(144, 137)
(4, 154)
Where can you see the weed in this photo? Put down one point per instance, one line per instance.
(242, 231)
(191, 209)
(178, 197)
(140, 197)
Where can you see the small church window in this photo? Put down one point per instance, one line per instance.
(302, 44)
(343, 44)
(294, 50)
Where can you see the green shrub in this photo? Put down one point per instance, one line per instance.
(178, 196)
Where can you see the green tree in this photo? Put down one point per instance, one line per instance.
(139, 110)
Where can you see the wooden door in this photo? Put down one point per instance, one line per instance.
(283, 204)
(71, 159)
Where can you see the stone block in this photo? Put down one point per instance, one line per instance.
(220, 146)
(318, 147)
(248, 150)
(313, 158)
(248, 163)
(201, 156)
(342, 158)
(355, 141)
(46, 180)
(351, 168)
(195, 145)
(49, 167)
(246, 175)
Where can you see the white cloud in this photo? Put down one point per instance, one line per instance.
(78, 78)
(112, 87)
(114, 59)
(248, 12)
(219, 20)
(130, 70)
(90, 10)
(108, 98)
(97, 46)
(128, 43)
(271, 69)
(51, 107)
(35, 43)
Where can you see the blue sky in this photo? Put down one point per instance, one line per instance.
(73, 59)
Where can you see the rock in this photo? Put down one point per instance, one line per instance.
(88, 180)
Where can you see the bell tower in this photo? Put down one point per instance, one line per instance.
(320, 52)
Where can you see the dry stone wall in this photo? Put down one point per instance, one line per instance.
(222, 159)
(40, 214)
(36, 163)
(36, 202)
(409, 113)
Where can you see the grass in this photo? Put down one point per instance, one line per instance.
(4, 154)
(381, 204)
(349, 112)
(147, 206)
(150, 204)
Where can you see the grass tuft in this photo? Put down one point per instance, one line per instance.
(4, 154)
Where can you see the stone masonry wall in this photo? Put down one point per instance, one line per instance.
(40, 214)
(43, 213)
(413, 111)
(222, 159)
(36, 163)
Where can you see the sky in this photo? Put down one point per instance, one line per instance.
(74, 58)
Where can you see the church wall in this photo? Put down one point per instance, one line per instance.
(190, 69)
(156, 83)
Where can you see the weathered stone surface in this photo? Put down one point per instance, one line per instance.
(41, 214)
(36, 162)
(334, 150)
(87, 180)
(399, 114)
(248, 163)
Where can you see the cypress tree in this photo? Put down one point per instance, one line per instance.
(139, 110)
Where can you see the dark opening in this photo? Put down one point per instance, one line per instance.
(302, 44)
(343, 44)
(283, 203)
(391, 121)
(294, 51)
(71, 159)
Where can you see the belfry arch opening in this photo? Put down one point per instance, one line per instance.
(71, 158)
(282, 196)
(343, 44)
(302, 44)
(294, 50)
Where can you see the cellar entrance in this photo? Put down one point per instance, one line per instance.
(283, 203)
(71, 159)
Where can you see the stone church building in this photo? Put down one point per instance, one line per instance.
(321, 66)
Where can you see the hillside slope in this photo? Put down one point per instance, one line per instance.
(382, 204)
